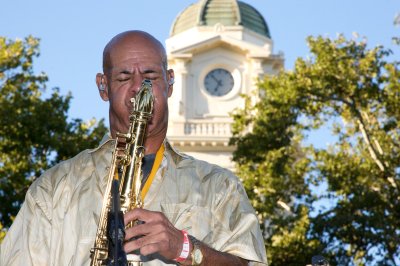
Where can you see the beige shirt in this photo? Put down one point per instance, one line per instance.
(58, 221)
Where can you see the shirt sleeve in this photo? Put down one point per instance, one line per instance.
(28, 240)
(238, 225)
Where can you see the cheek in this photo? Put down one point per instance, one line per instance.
(160, 112)
(119, 105)
(161, 103)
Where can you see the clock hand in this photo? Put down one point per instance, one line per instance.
(214, 78)
(216, 88)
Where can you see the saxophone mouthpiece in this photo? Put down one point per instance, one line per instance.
(143, 101)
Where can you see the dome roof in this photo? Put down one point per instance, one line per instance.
(226, 12)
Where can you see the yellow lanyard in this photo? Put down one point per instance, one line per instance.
(156, 165)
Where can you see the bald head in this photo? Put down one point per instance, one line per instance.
(132, 37)
(128, 59)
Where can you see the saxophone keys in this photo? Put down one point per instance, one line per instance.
(126, 136)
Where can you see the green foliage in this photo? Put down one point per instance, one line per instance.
(274, 166)
(357, 91)
(34, 131)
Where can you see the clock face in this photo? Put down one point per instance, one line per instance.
(218, 82)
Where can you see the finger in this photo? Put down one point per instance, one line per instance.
(151, 244)
(149, 228)
(132, 215)
(142, 215)
(163, 245)
(138, 230)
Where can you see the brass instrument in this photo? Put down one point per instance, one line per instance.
(126, 166)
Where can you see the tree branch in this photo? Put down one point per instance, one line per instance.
(371, 148)
(367, 139)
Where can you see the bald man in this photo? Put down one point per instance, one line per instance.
(194, 213)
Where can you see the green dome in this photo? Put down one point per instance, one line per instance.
(226, 12)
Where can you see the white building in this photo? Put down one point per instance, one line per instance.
(218, 49)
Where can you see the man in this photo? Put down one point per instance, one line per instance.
(58, 221)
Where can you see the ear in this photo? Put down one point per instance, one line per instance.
(101, 82)
(170, 77)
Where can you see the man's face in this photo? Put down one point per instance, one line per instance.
(132, 61)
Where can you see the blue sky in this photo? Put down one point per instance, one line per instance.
(73, 33)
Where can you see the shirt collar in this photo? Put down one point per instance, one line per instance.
(176, 155)
(106, 139)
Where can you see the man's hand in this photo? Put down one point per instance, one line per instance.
(158, 235)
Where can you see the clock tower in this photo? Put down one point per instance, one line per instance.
(218, 50)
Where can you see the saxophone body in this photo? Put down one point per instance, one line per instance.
(126, 166)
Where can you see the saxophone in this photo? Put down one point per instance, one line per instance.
(126, 168)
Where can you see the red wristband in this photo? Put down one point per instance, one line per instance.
(185, 248)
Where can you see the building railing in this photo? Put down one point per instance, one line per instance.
(201, 128)
(207, 129)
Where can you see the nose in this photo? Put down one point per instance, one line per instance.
(135, 85)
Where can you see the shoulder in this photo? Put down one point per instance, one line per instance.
(52, 177)
(223, 182)
(201, 169)
(72, 171)
(52, 184)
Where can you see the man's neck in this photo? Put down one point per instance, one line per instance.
(153, 145)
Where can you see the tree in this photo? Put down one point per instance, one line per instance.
(355, 91)
(34, 131)
(273, 166)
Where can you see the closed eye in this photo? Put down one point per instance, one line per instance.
(151, 74)
(124, 75)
